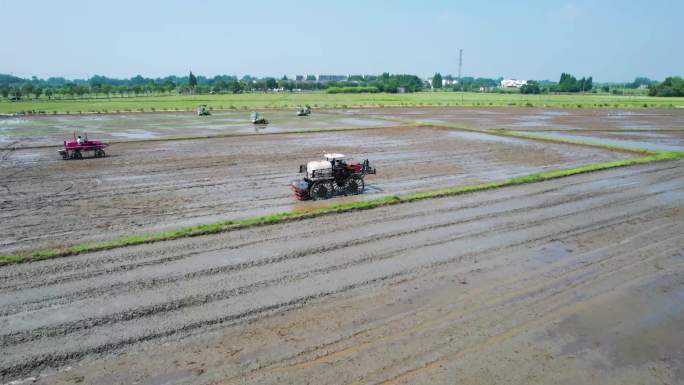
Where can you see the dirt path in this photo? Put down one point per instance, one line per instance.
(577, 280)
(144, 187)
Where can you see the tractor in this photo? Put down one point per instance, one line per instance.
(202, 110)
(258, 119)
(77, 147)
(334, 175)
(304, 111)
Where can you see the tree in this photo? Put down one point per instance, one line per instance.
(641, 81)
(235, 86)
(437, 81)
(192, 80)
(37, 91)
(27, 89)
(532, 87)
(107, 89)
(567, 83)
(672, 86)
(15, 93)
(49, 92)
(271, 83)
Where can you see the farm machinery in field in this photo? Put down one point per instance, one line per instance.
(202, 110)
(258, 119)
(77, 147)
(334, 175)
(304, 111)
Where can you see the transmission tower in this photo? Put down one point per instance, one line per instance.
(460, 64)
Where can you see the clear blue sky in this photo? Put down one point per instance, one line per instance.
(537, 39)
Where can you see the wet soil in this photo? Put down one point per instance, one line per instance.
(517, 118)
(151, 186)
(575, 280)
(670, 140)
(53, 129)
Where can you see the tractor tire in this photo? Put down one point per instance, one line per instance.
(321, 190)
(99, 153)
(355, 186)
(77, 155)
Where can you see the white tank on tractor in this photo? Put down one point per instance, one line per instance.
(334, 175)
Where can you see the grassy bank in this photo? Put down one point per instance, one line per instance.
(213, 228)
(326, 100)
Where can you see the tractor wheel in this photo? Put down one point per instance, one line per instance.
(355, 186)
(322, 190)
(99, 153)
(77, 155)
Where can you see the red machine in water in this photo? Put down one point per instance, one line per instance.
(77, 147)
(335, 175)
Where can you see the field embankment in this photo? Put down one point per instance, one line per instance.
(324, 100)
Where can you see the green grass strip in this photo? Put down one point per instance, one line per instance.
(229, 225)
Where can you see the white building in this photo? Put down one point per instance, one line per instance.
(513, 83)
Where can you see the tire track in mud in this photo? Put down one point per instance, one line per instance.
(556, 305)
(14, 338)
(644, 197)
(557, 202)
(203, 189)
(119, 344)
(334, 246)
(333, 352)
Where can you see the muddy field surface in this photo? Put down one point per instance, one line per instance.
(152, 186)
(517, 118)
(661, 140)
(54, 129)
(575, 280)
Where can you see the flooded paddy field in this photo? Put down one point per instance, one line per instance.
(532, 119)
(657, 140)
(572, 280)
(53, 129)
(150, 186)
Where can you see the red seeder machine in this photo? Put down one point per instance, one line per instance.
(77, 147)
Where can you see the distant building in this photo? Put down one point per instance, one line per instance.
(299, 78)
(331, 78)
(513, 83)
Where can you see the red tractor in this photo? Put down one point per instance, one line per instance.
(77, 147)
(335, 175)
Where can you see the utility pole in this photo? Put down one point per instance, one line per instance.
(460, 65)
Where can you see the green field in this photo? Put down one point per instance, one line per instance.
(323, 100)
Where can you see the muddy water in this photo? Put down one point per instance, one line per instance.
(572, 281)
(636, 327)
(45, 130)
(152, 186)
(656, 141)
(540, 118)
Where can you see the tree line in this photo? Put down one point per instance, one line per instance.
(15, 88)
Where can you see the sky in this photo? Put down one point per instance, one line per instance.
(610, 40)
